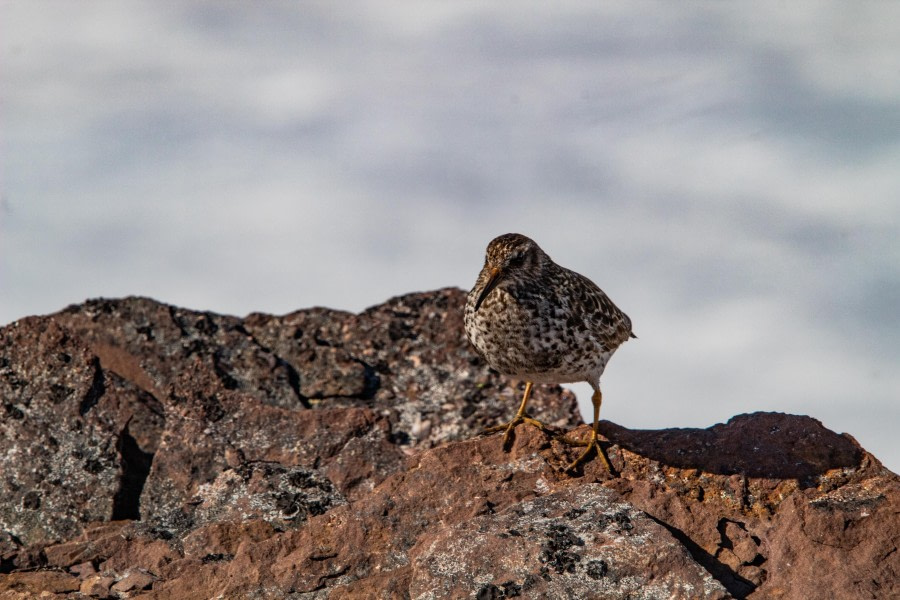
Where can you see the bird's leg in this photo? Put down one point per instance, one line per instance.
(592, 444)
(520, 417)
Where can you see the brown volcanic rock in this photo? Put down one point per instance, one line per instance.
(36, 585)
(234, 391)
(441, 528)
(208, 437)
(65, 424)
(466, 518)
(269, 491)
(317, 455)
(771, 504)
(419, 370)
(407, 357)
(578, 543)
(151, 344)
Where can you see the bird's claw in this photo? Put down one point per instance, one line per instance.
(591, 444)
(508, 428)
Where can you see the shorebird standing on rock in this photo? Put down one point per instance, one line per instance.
(530, 318)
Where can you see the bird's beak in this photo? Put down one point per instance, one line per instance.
(491, 284)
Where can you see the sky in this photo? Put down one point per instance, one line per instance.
(729, 173)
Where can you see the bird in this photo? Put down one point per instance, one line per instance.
(537, 321)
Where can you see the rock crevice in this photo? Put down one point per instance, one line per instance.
(135, 468)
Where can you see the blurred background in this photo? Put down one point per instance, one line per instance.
(729, 173)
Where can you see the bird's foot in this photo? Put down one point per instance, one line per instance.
(592, 444)
(508, 428)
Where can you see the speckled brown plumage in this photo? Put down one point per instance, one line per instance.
(532, 319)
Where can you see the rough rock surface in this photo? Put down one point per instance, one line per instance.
(148, 451)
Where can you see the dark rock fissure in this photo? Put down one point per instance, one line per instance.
(724, 541)
(326, 579)
(372, 381)
(736, 585)
(222, 371)
(135, 468)
(216, 557)
(95, 392)
(8, 559)
(293, 377)
(7, 565)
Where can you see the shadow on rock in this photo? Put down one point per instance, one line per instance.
(771, 445)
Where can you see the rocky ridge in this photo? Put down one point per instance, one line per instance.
(150, 451)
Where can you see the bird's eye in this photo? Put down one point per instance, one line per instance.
(517, 259)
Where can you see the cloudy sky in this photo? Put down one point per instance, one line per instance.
(729, 173)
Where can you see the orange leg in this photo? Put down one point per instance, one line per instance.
(520, 417)
(592, 444)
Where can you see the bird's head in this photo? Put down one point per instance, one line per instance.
(510, 256)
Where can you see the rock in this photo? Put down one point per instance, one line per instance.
(156, 452)
(445, 485)
(404, 368)
(97, 586)
(144, 552)
(66, 422)
(133, 581)
(831, 539)
(82, 570)
(577, 543)
(66, 554)
(35, 583)
(729, 491)
(349, 447)
(282, 496)
(418, 369)
(151, 343)
(220, 541)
